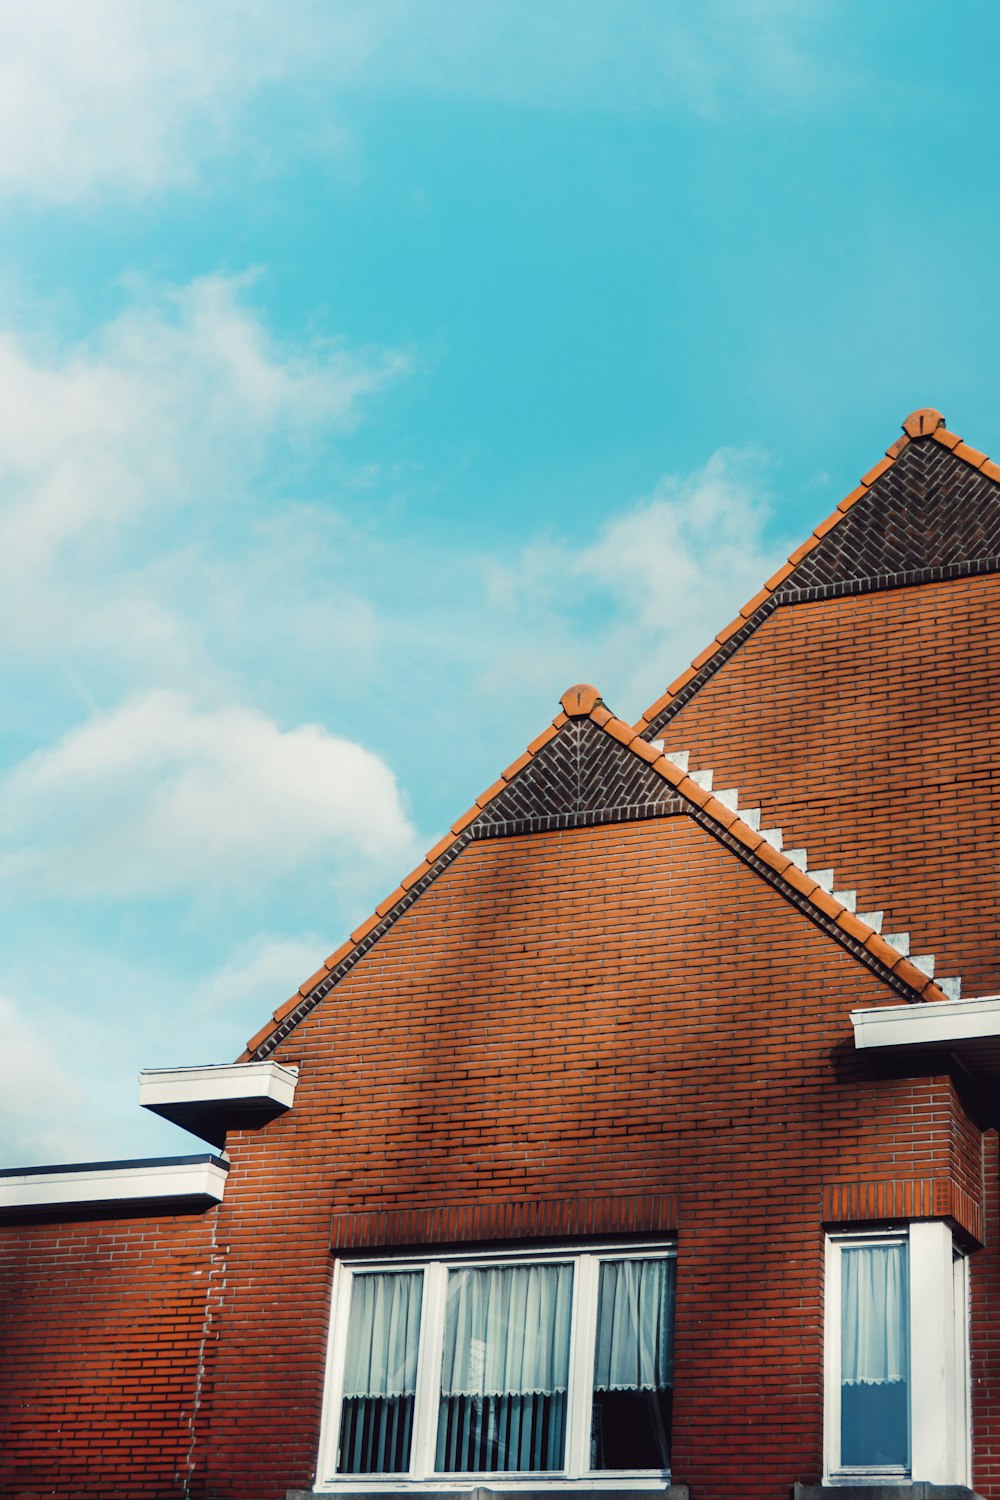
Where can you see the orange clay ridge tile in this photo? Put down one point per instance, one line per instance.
(926, 422)
(584, 702)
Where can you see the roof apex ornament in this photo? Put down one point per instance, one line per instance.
(578, 700)
(922, 422)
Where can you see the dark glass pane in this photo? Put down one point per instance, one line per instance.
(631, 1430)
(375, 1435)
(501, 1434)
(873, 1424)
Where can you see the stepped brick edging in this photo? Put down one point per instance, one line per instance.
(463, 1223)
(925, 427)
(903, 1199)
(685, 795)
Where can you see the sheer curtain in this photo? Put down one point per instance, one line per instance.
(505, 1369)
(875, 1355)
(633, 1365)
(380, 1373)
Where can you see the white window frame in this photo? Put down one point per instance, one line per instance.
(586, 1264)
(940, 1439)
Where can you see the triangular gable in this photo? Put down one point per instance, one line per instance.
(928, 511)
(590, 767)
(583, 776)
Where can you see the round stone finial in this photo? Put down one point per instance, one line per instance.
(923, 422)
(578, 700)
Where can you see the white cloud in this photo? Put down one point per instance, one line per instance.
(630, 609)
(178, 404)
(158, 796)
(117, 96)
(112, 94)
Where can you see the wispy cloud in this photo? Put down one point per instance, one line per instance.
(172, 409)
(631, 607)
(114, 96)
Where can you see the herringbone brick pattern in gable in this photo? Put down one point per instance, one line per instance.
(930, 514)
(580, 777)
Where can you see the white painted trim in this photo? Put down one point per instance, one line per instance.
(939, 1363)
(933, 1447)
(114, 1182)
(219, 1083)
(577, 1474)
(933, 1023)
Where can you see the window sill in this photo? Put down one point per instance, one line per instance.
(903, 1489)
(500, 1491)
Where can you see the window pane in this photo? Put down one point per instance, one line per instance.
(875, 1357)
(634, 1365)
(505, 1368)
(380, 1373)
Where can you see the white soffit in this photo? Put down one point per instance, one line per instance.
(970, 1028)
(190, 1179)
(242, 1085)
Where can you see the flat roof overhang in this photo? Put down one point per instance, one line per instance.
(969, 1029)
(170, 1181)
(210, 1100)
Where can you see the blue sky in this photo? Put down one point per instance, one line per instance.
(369, 372)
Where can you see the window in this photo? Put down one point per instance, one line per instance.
(549, 1365)
(897, 1357)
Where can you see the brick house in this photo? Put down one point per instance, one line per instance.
(627, 1147)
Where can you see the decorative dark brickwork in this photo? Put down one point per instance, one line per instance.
(929, 518)
(526, 1219)
(581, 777)
(929, 512)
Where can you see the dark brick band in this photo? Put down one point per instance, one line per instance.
(536, 1218)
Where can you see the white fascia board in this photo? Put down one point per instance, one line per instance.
(935, 1023)
(219, 1084)
(115, 1182)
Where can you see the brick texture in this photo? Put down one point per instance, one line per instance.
(864, 727)
(103, 1327)
(497, 1222)
(605, 1012)
(581, 777)
(929, 518)
(928, 513)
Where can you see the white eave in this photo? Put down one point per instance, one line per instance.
(209, 1100)
(968, 1028)
(173, 1180)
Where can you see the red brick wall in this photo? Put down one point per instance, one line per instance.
(865, 728)
(102, 1324)
(607, 1010)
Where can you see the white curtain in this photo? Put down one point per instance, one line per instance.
(635, 1326)
(505, 1369)
(380, 1373)
(507, 1331)
(382, 1334)
(874, 1320)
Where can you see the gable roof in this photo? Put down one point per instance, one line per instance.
(590, 767)
(928, 511)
